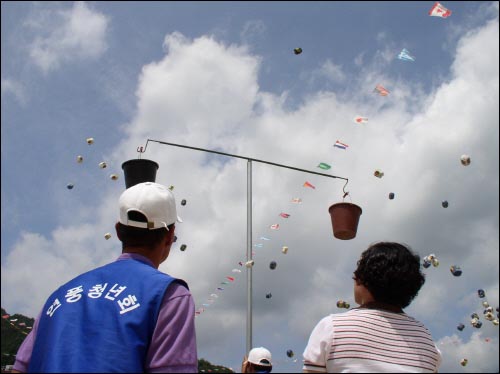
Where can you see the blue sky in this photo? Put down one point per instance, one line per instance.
(223, 75)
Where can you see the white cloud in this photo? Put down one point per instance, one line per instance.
(63, 36)
(480, 351)
(332, 71)
(14, 88)
(253, 31)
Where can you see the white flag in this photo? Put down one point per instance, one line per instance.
(439, 11)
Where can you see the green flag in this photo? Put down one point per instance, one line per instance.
(324, 166)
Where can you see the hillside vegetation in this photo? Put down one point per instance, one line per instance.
(15, 327)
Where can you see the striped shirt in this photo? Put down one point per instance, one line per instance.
(371, 341)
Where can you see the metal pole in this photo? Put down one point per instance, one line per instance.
(249, 256)
(249, 214)
(142, 150)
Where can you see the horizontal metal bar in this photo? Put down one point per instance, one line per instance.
(244, 158)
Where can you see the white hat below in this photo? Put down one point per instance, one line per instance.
(153, 200)
(260, 356)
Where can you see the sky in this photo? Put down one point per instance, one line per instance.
(223, 76)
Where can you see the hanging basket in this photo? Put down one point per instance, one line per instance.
(345, 219)
(138, 171)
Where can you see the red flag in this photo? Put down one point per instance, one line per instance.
(438, 10)
(307, 184)
(381, 90)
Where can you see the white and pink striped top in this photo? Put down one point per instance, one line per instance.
(371, 340)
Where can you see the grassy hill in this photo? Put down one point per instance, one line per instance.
(15, 328)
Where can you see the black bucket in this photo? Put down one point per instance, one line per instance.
(138, 171)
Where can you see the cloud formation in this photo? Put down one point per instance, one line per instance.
(63, 36)
(14, 88)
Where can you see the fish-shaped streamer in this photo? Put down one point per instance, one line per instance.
(236, 271)
(264, 238)
(284, 215)
(307, 184)
(324, 166)
(381, 90)
(340, 145)
(230, 278)
(359, 119)
(405, 55)
(276, 226)
(297, 200)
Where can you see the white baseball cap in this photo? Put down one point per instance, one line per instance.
(260, 356)
(153, 200)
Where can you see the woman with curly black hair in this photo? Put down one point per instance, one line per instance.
(377, 336)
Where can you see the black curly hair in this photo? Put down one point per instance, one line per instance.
(391, 272)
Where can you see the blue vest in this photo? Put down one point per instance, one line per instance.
(101, 321)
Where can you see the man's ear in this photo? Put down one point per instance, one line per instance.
(118, 233)
(171, 235)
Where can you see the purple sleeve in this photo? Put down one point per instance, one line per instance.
(173, 346)
(23, 356)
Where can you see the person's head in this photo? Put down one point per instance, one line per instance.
(259, 361)
(147, 220)
(390, 272)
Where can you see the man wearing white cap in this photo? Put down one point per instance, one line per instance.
(126, 316)
(258, 361)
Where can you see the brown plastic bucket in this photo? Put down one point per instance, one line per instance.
(138, 171)
(345, 219)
